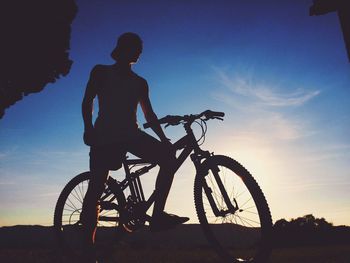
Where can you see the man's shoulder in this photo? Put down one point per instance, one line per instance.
(140, 79)
(100, 67)
(99, 71)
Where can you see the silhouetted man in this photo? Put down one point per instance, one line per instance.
(119, 91)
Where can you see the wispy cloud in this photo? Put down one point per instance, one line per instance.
(296, 98)
(262, 106)
(262, 93)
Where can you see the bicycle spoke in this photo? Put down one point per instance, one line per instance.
(71, 205)
(79, 200)
(80, 190)
(247, 219)
(246, 202)
(250, 212)
(82, 186)
(73, 210)
(83, 192)
(241, 193)
(67, 214)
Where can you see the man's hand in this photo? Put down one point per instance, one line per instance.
(89, 137)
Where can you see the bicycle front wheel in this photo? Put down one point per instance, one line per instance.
(232, 211)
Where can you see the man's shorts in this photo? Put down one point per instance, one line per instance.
(140, 144)
(107, 157)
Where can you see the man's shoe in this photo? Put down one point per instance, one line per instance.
(165, 221)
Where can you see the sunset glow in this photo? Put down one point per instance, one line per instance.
(281, 77)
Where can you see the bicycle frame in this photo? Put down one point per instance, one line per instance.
(187, 144)
(132, 180)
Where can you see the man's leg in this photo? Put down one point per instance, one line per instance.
(160, 219)
(163, 184)
(150, 149)
(90, 205)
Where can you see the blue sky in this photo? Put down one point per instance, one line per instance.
(281, 76)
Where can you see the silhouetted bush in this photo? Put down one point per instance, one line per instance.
(35, 37)
(308, 230)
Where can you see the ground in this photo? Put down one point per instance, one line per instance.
(127, 254)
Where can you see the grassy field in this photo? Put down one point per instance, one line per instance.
(322, 254)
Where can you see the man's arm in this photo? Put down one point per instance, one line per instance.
(150, 116)
(88, 106)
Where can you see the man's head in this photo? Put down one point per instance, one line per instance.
(128, 49)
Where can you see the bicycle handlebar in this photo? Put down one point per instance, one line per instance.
(177, 119)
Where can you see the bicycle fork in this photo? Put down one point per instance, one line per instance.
(231, 208)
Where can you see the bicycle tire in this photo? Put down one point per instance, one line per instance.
(68, 234)
(233, 242)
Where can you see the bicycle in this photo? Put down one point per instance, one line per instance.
(230, 205)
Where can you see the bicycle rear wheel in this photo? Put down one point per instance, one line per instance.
(67, 225)
(232, 211)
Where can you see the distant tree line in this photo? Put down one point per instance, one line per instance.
(34, 46)
(309, 230)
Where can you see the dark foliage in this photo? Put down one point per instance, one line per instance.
(35, 37)
(308, 230)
